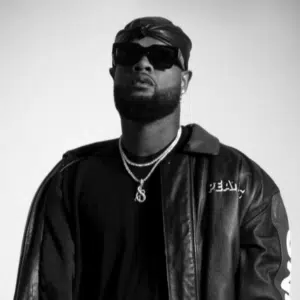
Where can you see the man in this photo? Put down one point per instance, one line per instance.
(165, 211)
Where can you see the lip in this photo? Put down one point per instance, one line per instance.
(143, 81)
(141, 86)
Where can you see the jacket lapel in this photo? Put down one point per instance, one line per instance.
(184, 186)
(178, 219)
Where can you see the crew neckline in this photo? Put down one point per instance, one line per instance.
(143, 159)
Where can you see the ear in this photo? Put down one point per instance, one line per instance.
(186, 76)
(112, 72)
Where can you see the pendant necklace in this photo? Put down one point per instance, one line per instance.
(140, 195)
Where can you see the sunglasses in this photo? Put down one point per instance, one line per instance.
(160, 56)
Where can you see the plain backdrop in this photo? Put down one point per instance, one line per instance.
(56, 92)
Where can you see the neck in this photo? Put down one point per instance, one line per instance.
(147, 139)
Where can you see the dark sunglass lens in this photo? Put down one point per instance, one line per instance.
(162, 57)
(126, 54)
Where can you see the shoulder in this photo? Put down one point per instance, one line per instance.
(248, 169)
(53, 180)
(97, 149)
(256, 187)
(227, 162)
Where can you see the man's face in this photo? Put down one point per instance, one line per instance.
(143, 93)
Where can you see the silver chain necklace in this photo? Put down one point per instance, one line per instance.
(140, 195)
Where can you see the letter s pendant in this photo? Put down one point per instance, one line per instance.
(140, 195)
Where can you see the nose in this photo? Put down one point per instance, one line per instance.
(143, 65)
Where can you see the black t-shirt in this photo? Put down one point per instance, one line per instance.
(120, 242)
(150, 278)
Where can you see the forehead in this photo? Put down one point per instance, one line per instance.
(147, 41)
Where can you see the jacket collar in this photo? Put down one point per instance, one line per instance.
(201, 141)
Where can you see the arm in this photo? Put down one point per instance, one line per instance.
(265, 255)
(43, 241)
(57, 247)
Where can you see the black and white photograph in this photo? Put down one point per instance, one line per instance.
(149, 150)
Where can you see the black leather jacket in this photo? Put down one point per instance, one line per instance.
(226, 236)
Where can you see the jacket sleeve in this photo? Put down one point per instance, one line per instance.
(265, 254)
(43, 241)
(56, 267)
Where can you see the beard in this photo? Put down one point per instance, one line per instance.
(146, 109)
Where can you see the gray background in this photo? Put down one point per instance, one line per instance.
(56, 93)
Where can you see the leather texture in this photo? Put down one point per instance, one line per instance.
(225, 225)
